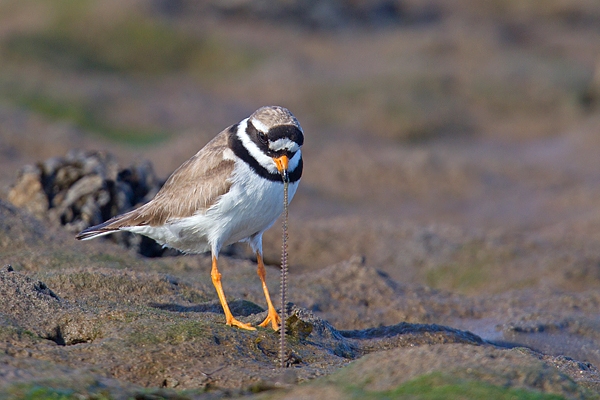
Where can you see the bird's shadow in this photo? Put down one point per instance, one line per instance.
(238, 307)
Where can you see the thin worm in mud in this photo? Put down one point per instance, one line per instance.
(284, 267)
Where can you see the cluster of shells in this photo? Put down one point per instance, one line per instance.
(84, 189)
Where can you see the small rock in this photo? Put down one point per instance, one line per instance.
(28, 192)
(298, 328)
(84, 189)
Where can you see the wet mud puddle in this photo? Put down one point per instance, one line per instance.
(555, 341)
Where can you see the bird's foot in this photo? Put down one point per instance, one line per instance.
(272, 318)
(239, 324)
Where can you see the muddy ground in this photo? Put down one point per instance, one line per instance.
(445, 239)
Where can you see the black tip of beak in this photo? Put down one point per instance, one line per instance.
(285, 176)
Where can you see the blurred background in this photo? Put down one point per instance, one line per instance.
(451, 143)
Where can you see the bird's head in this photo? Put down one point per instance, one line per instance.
(278, 135)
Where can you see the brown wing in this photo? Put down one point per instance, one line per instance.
(194, 186)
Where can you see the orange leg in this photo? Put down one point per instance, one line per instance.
(272, 316)
(216, 279)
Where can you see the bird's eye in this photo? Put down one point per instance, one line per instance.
(262, 137)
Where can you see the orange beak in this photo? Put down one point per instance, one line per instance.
(282, 165)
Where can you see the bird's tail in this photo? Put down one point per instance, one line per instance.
(102, 229)
(137, 217)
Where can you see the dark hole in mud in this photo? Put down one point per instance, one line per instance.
(42, 288)
(57, 337)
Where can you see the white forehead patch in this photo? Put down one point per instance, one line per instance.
(284, 144)
(260, 126)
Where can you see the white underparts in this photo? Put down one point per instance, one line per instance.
(249, 208)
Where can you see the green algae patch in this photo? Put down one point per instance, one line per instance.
(176, 333)
(441, 386)
(82, 387)
(35, 392)
(83, 36)
(86, 116)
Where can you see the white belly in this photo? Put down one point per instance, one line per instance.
(250, 207)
